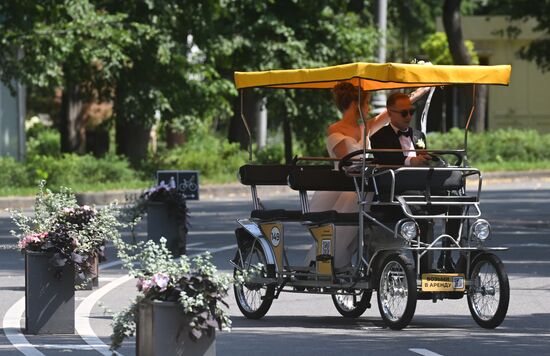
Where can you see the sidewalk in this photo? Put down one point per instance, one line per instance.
(239, 191)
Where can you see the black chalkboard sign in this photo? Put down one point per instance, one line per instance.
(186, 181)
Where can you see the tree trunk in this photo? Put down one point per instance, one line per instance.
(480, 117)
(453, 29)
(174, 138)
(132, 139)
(237, 129)
(71, 123)
(460, 54)
(287, 132)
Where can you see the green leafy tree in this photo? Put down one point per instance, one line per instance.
(251, 35)
(436, 49)
(68, 44)
(410, 22)
(168, 73)
(537, 50)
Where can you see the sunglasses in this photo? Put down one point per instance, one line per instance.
(405, 113)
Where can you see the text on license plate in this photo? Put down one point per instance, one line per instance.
(442, 282)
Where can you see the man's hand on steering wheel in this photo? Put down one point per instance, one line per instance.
(428, 159)
(347, 160)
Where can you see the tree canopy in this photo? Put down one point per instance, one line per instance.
(537, 50)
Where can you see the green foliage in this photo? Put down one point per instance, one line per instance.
(537, 50)
(252, 35)
(409, 23)
(71, 169)
(48, 44)
(436, 49)
(271, 154)
(214, 157)
(13, 173)
(43, 142)
(500, 146)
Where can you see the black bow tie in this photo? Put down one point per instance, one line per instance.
(407, 133)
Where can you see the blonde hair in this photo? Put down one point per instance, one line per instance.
(345, 93)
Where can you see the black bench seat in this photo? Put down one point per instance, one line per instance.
(277, 214)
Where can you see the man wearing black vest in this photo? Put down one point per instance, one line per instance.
(399, 135)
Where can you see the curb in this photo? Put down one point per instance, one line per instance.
(236, 190)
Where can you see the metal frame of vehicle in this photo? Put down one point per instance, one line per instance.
(393, 267)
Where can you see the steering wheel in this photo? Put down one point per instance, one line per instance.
(437, 161)
(346, 160)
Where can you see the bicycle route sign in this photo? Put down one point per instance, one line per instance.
(187, 182)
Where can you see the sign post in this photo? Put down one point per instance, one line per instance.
(187, 182)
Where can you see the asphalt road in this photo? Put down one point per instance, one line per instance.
(302, 324)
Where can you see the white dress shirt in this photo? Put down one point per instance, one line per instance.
(406, 144)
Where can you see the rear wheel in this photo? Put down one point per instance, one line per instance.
(253, 298)
(489, 292)
(397, 291)
(352, 305)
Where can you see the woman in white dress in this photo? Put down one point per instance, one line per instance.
(343, 137)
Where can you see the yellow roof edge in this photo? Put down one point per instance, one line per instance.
(376, 76)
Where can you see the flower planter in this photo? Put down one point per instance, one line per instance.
(49, 301)
(92, 279)
(162, 222)
(163, 329)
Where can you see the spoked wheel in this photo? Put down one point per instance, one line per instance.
(253, 298)
(489, 292)
(352, 305)
(397, 292)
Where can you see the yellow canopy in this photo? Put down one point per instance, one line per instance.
(376, 76)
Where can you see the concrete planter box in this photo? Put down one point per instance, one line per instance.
(92, 279)
(162, 329)
(49, 301)
(162, 222)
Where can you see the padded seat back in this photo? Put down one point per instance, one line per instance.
(437, 181)
(320, 180)
(271, 174)
(265, 174)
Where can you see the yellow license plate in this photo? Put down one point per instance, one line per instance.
(443, 282)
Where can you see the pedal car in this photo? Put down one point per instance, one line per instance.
(394, 257)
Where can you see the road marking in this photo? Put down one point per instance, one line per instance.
(12, 319)
(82, 313)
(12, 328)
(425, 352)
(528, 245)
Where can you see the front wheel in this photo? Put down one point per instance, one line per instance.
(253, 297)
(489, 292)
(397, 291)
(352, 305)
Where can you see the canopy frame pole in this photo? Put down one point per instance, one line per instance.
(362, 198)
(241, 94)
(468, 125)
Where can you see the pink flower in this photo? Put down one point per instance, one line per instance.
(161, 280)
(68, 210)
(146, 285)
(37, 238)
